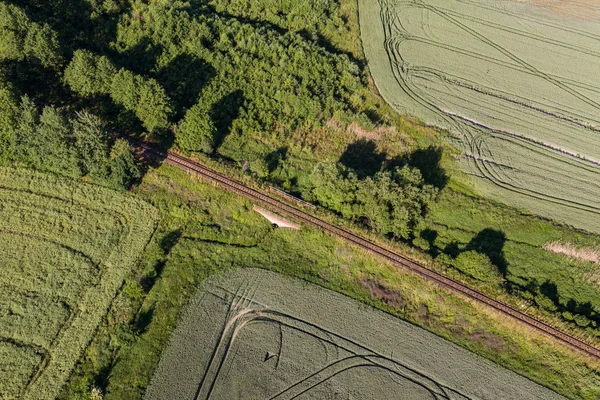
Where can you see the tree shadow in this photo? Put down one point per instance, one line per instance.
(586, 309)
(362, 157)
(223, 113)
(274, 158)
(183, 78)
(143, 320)
(428, 162)
(452, 249)
(326, 44)
(490, 242)
(430, 235)
(141, 58)
(166, 244)
(40, 83)
(169, 240)
(550, 290)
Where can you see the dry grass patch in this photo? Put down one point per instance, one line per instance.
(587, 254)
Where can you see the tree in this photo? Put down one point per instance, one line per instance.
(9, 111)
(26, 138)
(196, 132)
(90, 75)
(22, 39)
(91, 142)
(478, 266)
(333, 186)
(42, 44)
(50, 148)
(153, 107)
(124, 168)
(391, 202)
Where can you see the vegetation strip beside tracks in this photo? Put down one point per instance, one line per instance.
(397, 259)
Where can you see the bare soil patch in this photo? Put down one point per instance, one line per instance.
(391, 297)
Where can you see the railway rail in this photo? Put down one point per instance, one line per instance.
(395, 258)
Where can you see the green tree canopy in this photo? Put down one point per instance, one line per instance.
(196, 132)
(9, 111)
(88, 75)
(477, 266)
(391, 202)
(22, 39)
(91, 142)
(123, 166)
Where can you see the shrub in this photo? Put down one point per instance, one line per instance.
(477, 266)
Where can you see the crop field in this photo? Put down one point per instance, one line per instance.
(255, 334)
(66, 248)
(514, 82)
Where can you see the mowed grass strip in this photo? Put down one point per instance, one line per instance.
(69, 246)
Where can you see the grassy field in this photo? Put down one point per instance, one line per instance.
(256, 334)
(66, 248)
(513, 83)
(204, 231)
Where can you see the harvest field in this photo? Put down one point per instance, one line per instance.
(514, 82)
(66, 248)
(255, 334)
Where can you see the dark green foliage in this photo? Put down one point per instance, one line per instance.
(91, 140)
(285, 81)
(197, 131)
(391, 202)
(89, 75)
(21, 38)
(145, 97)
(70, 144)
(9, 111)
(123, 165)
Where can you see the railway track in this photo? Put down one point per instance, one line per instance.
(395, 258)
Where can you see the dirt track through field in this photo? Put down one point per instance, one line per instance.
(394, 258)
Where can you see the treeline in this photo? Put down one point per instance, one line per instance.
(208, 81)
(76, 144)
(92, 75)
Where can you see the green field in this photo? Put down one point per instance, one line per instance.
(516, 87)
(255, 334)
(66, 248)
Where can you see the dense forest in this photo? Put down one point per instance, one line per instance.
(79, 76)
